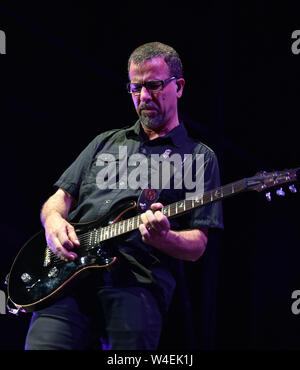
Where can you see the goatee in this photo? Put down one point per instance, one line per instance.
(151, 122)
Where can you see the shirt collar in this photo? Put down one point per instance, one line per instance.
(177, 135)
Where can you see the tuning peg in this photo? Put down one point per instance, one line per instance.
(280, 192)
(268, 196)
(293, 189)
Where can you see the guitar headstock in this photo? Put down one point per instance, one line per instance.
(263, 181)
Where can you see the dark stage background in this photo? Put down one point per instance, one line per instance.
(62, 81)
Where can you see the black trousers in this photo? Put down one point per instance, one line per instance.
(125, 318)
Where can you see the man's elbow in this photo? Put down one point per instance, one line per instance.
(199, 248)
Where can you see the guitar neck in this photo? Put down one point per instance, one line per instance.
(172, 210)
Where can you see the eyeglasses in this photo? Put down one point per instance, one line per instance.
(151, 86)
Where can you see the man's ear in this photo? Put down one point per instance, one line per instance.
(180, 85)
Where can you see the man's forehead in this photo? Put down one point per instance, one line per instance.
(151, 67)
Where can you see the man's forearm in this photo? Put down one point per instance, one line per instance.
(58, 203)
(186, 245)
(60, 234)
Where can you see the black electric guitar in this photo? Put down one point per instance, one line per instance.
(39, 277)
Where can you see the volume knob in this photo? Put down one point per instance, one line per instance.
(53, 272)
(26, 278)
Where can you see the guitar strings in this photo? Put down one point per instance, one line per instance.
(91, 239)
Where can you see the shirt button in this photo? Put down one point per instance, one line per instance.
(107, 201)
(142, 150)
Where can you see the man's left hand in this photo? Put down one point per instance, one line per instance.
(155, 226)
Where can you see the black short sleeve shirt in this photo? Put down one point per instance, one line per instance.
(116, 165)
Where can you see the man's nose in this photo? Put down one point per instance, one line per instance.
(145, 95)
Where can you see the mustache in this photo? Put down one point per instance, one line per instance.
(146, 106)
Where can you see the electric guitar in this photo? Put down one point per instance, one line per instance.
(38, 277)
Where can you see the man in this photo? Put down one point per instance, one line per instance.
(126, 307)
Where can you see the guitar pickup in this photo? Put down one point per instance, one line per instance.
(47, 258)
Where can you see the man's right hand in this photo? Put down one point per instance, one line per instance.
(61, 236)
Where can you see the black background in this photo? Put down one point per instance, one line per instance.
(62, 81)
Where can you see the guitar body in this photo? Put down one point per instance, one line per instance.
(38, 277)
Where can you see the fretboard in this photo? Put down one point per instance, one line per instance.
(171, 210)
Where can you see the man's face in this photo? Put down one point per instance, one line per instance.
(155, 109)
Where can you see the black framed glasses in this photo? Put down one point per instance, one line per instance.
(151, 86)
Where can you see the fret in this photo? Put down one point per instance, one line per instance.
(113, 229)
(189, 204)
(233, 188)
(206, 198)
(217, 194)
(135, 223)
(129, 224)
(165, 210)
(106, 233)
(228, 190)
(139, 220)
(181, 205)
